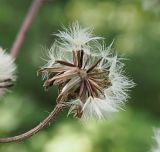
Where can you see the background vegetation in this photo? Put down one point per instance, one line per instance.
(135, 26)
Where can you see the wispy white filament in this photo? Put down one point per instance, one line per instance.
(76, 38)
(118, 91)
(96, 108)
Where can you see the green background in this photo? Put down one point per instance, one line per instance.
(135, 27)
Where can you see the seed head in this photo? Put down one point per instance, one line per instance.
(88, 75)
(7, 71)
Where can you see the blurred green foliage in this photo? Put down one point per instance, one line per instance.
(135, 26)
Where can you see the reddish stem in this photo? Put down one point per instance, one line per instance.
(25, 26)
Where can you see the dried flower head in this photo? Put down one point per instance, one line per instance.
(89, 77)
(7, 71)
(157, 140)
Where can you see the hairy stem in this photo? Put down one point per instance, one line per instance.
(35, 130)
(25, 26)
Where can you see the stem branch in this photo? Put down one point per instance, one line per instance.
(35, 130)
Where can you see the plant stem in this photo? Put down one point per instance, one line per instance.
(35, 130)
(14, 51)
(25, 26)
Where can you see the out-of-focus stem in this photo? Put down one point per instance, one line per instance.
(25, 26)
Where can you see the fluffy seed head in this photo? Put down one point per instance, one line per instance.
(90, 78)
(157, 140)
(7, 71)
